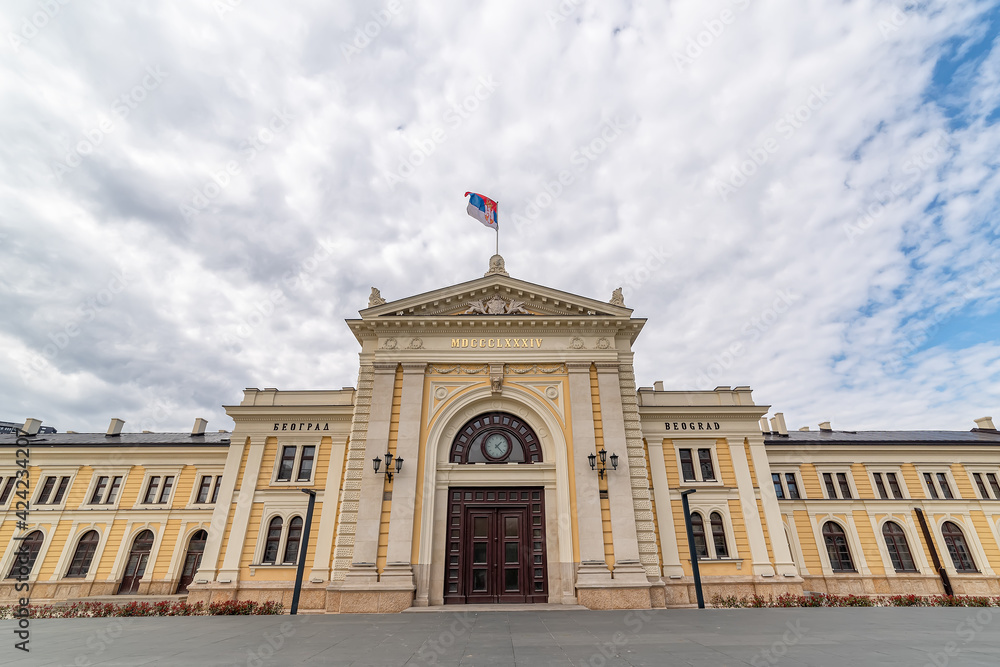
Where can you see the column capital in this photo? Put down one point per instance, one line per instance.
(414, 367)
(607, 366)
(384, 367)
(578, 366)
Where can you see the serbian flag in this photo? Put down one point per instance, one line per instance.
(483, 209)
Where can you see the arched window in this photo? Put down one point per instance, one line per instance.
(27, 552)
(496, 437)
(836, 548)
(899, 550)
(273, 541)
(954, 539)
(292, 542)
(84, 554)
(719, 536)
(698, 530)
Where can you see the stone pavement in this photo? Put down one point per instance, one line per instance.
(793, 637)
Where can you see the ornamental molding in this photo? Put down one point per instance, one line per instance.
(459, 369)
(523, 369)
(496, 305)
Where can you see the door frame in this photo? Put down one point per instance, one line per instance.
(132, 550)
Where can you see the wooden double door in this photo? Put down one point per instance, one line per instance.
(496, 546)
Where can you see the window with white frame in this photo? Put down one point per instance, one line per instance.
(887, 485)
(837, 485)
(786, 485)
(6, 488)
(282, 541)
(106, 488)
(295, 463)
(938, 486)
(53, 490)
(697, 464)
(710, 540)
(986, 483)
(208, 489)
(158, 489)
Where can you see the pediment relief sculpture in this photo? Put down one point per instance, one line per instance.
(496, 306)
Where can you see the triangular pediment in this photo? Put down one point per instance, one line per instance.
(493, 295)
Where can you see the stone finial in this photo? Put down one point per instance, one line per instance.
(375, 299)
(617, 298)
(496, 266)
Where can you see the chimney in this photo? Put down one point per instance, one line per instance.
(982, 424)
(115, 429)
(31, 426)
(778, 424)
(804, 428)
(825, 426)
(764, 428)
(199, 426)
(658, 385)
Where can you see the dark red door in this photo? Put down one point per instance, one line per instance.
(135, 566)
(496, 546)
(192, 561)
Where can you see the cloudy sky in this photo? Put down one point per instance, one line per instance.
(800, 195)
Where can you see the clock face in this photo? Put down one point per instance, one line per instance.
(496, 446)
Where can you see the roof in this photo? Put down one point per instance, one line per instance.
(123, 440)
(973, 437)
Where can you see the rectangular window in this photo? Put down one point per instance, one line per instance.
(880, 485)
(7, 488)
(929, 481)
(61, 491)
(116, 484)
(204, 489)
(687, 466)
(793, 487)
(287, 463)
(778, 489)
(215, 489)
(102, 484)
(168, 483)
(990, 477)
(894, 485)
(154, 484)
(945, 488)
(845, 488)
(707, 469)
(43, 497)
(306, 463)
(983, 493)
(831, 490)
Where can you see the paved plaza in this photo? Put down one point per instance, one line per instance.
(833, 637)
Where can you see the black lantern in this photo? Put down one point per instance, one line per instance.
(377, 463)
(592, 459)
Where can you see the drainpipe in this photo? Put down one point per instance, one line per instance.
(934, 554)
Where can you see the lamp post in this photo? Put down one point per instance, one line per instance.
(377, 463)
(303, 547)
(691, 547)
(592, 459)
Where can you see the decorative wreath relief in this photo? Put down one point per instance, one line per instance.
(416, 343)
(389, 344)
(603, 343)
(576, 343)
(552, 393)
(441, 393)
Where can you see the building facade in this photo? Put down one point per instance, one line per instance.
(496, 448)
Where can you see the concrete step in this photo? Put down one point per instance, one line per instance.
(459, 608)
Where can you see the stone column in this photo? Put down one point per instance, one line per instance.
(362, 573)
(220, 514)
(664, 509)
(398, 567)
(628, 568)
(229, 573)
(592, 568)
(328, 514)
(751, 516)
(772, 514)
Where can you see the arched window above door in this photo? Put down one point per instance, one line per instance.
(496, 437)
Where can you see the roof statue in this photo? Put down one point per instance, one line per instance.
(496, 266)
(375, 299)
(617, 298)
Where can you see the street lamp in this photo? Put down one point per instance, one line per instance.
(592, 458)
(377, 462)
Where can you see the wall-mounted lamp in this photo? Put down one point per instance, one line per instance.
(377, 461)
(604, 455)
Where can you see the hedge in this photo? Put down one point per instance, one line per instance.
(163, 608)
(821, 600)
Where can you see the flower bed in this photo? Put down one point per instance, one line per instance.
(164, 608)
(819, 600)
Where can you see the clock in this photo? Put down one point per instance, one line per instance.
(496, 446)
